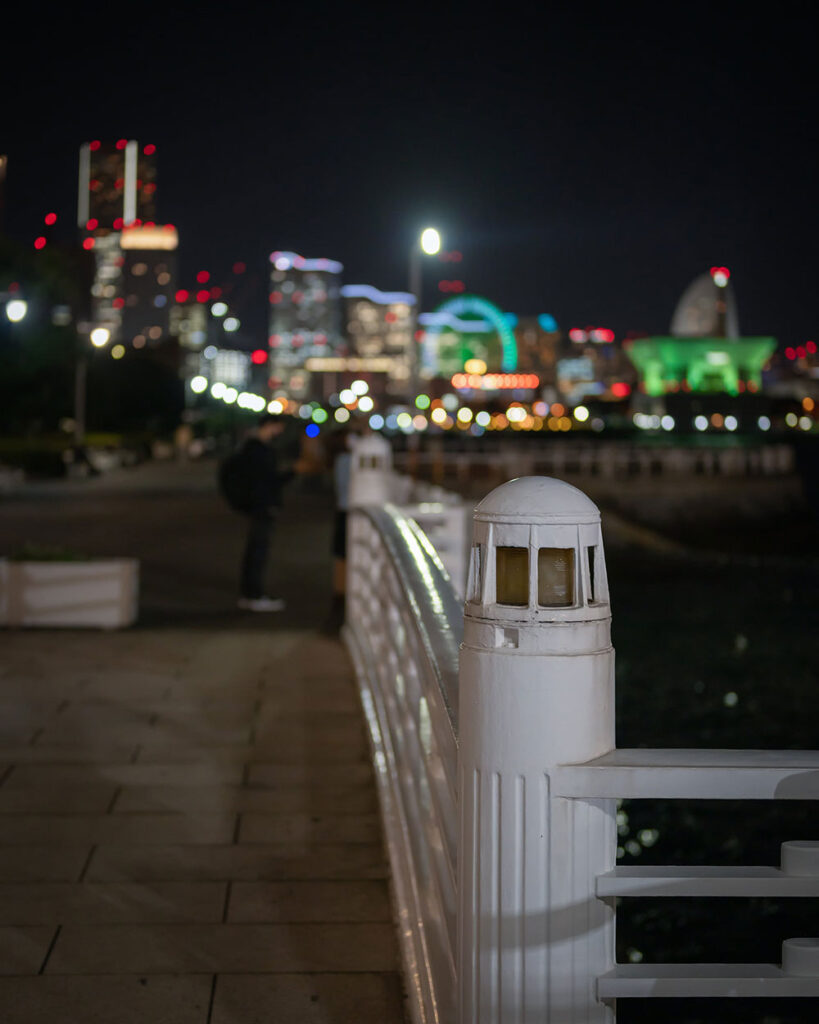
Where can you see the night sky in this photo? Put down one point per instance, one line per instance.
(585, 165)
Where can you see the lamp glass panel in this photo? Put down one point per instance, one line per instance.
(555, 577)
(512, 576)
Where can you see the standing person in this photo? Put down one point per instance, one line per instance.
(252, 483)
(341, 462)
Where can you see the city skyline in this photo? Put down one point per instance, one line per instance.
(592, 171)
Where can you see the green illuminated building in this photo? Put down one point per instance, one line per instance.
(716, 365)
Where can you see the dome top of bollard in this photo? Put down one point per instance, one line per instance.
(537, 499)
(372, 444)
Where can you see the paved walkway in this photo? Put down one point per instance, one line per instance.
(189, 829)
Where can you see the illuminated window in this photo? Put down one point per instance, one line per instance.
(512, 576)
(555, 577)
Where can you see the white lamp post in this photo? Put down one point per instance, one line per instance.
(536, 692)
(428, 243)
(99, 337)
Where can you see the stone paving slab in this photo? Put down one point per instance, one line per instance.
(247, 862)
(132, 830)
(78, 753)
(312, 797)
(309, 901)
(42, 863)
(309, 828)
(92, 798)
(124, 999)
(245, 948)
(307, 999)
(23, 950)
(112, 903)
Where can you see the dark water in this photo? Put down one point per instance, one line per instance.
(715, 655)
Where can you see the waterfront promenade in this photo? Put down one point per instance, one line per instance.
(188, 821)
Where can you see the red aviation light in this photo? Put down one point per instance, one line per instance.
(92, 224)
(620, 389)
(182, 295)
(203, 277)
(40, 243)
(259, 357)
(122, 143)
(117, 223)
(88, 243)
(50, 218)
(150, 149)
(95, 145)
(239, 268)
(203, 295)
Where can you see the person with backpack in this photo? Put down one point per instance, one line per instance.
(252, 483)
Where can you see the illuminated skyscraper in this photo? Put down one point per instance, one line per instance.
(305, 317)
(116, 214)
(117, 185)
(148, 282)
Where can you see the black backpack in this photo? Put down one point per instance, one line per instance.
(234, 482)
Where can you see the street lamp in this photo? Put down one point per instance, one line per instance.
(427, 244)
(99, 338)
(16, 310)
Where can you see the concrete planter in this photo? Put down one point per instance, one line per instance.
(102, 594)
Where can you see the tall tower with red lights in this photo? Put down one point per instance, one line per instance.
(116, 217)
(117, 185)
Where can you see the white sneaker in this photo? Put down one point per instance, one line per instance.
(261, 604)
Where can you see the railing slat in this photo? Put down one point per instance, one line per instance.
(684, 774)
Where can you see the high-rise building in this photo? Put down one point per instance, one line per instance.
(117, 185)
(148, 282)
(135, 262)
(305, 317)
(106, 291)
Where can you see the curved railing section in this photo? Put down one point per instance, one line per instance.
(404, 628)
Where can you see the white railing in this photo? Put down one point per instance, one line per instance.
(404, 626)
(500, 815)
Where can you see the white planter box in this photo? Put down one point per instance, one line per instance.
(102, 594)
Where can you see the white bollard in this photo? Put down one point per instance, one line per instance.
(371, 479)
(536, 691)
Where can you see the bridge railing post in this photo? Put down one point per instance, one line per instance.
(536, 691)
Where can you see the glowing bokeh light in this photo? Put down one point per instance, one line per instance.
(16, 310)
(100, 337)
(430, 241)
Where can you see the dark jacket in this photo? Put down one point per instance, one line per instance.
(264, 481)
